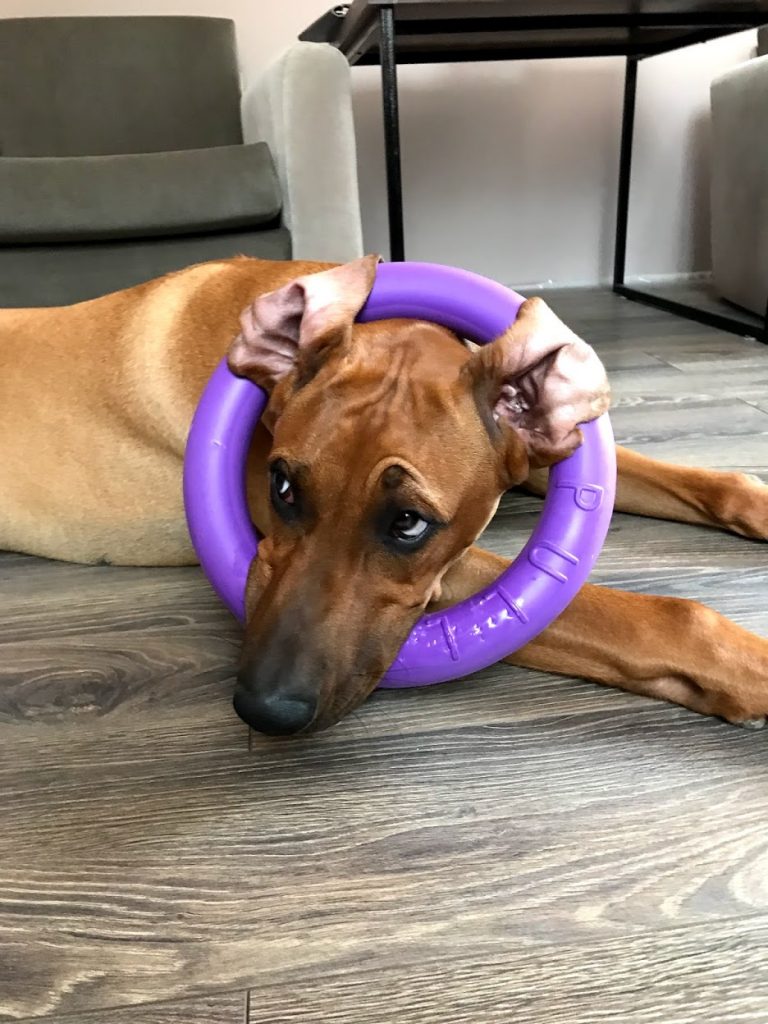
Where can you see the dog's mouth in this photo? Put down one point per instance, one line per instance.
(315, 647)
(295, 681)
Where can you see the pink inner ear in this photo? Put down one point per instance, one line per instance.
(265, 348)
(549, 381)
(276, 328)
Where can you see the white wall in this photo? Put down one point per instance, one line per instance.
(510, 168)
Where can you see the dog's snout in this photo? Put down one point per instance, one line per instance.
(274, 714)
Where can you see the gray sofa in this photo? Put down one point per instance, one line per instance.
(739, 189)
(127, 151)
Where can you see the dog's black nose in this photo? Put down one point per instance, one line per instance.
(274, 714)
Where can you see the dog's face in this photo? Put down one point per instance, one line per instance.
(392, 445)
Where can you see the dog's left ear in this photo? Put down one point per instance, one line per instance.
(541, 380)
(296, 326)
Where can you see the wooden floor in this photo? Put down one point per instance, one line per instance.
(511, 848)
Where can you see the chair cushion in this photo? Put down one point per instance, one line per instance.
(68, 199)
(57, 275)
(93, 86)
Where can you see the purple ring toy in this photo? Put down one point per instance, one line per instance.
(531, 593)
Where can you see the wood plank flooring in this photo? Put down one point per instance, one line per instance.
(510, 848)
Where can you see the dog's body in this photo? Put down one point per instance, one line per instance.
(95, 404)
(394, 420)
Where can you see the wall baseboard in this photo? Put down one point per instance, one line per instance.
(696, 277)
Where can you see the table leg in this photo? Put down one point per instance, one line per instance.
(625, 171)
(388, 60)
(723, 321)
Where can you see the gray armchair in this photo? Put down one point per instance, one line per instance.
(127, 151)
(739, 188)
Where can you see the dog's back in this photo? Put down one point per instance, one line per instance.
(95, 404)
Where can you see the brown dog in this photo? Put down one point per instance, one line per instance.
(392, 445)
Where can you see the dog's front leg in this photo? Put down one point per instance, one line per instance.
(661, 647)
(648, 487)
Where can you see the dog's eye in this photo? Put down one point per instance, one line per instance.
(409, 526)
(282, 487)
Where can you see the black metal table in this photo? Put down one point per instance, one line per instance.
(388, 32)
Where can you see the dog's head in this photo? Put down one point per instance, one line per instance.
(392, 445)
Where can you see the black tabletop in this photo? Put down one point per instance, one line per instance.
(447, 30)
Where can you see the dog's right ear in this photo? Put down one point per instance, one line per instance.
(540, 380)
(295, 327)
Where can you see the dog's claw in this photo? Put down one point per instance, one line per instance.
(751, 723)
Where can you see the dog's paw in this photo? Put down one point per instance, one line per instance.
(744, 505)
(751, 723)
